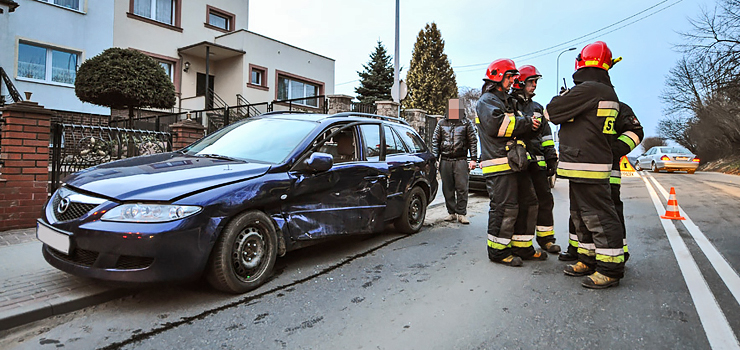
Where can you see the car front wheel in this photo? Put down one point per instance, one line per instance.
(244, 255)
(414, 211)
(637, 166)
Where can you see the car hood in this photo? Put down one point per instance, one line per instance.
(162, 177)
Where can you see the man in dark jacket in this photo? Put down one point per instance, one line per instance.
(454, 137)
(542, 149)
(500, 125)
(586, 114)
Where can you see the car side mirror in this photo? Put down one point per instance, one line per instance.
(318, 162)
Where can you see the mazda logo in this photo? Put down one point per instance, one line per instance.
(63, 205)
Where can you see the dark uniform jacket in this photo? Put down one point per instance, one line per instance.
(453, 138)
(629, 135)
(587, 114)
(498, 121)
(539, 143)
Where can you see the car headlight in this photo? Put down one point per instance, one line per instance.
(141, 212)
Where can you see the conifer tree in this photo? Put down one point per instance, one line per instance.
(431, 80)
(376, 80)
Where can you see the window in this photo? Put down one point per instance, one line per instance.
(219, 19)
(392, 144)
(371, 137)
(289, 89)
(167, 68)
(256, 77)
(72, 4)
(158, 10)
(414, 143)
(42, 63)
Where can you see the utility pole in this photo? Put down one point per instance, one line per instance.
(395, 91)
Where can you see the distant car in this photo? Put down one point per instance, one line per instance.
(227, 205)
(667, 158)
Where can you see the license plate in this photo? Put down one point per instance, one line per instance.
(52, 237)
(682, 158)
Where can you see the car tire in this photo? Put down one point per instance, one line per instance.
(637, 166)
(251, 236)
(654, 167)
(414, 211)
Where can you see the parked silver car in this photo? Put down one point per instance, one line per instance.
(667, 158)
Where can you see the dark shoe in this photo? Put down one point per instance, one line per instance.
(510, 261)
(551, 248)
(599, 281)
(538, 255)
(578, 269)
(565, 256)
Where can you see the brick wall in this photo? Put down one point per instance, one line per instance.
(186, 132)
(24, 175)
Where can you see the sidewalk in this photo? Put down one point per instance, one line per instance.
(33, 290)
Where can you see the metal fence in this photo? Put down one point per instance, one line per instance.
(75, 147)
(315, 104)
(363, 107)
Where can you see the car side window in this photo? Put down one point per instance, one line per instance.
(392, 144)
(413, 142)
(371, 138)
(342, 146)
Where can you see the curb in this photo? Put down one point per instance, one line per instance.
(64, 304)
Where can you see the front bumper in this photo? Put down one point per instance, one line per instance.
(476, 182)
(134, 252)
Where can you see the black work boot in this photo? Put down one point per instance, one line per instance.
(551, 248)
(510, 261)
(539, 254)
(566, 256)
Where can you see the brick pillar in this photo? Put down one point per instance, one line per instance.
(339, 103)
(417, 118)
(387, 108)
(24, 176)
(186, 132)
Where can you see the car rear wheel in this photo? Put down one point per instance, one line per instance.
(414, 212)
(244, 254)
(654, 167)
(637, 166)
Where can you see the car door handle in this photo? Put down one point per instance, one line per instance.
(376, 177)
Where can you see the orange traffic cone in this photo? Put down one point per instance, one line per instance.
(671, 212)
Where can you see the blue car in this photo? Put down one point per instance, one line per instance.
(229, 204)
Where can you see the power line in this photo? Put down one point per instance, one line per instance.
(558, 46)
(347, 82)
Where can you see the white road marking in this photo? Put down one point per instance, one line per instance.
(720, 264)
(718, 330)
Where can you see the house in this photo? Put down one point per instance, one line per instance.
(207, 43)
(43, 43)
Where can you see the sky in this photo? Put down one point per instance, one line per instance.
(478, 32)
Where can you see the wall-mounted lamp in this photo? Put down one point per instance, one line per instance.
(187, 66)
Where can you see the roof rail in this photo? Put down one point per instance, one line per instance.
(368, 115)
(282, 112)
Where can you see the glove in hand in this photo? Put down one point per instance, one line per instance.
(552, 166)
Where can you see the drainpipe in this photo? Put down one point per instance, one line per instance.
(208, 54)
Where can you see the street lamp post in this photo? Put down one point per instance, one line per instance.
(557, 69)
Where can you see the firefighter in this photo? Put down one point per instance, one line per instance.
(542, 148)
(500, 125)
(628, 135)
(587, 113)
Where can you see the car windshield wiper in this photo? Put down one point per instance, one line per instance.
(220, 156)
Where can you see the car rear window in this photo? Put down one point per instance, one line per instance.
(413, 142)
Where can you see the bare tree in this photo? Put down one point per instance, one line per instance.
(677, 127)
(652, 141)
(468, 99)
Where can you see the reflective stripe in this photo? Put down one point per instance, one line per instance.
(573, 243)
(521, 244)
(589, 246)
(477, 121)
(573, 237)
(610, 259)
(615, 180)
(548, 143)
(585, 166)
(610, 251)
(504, 241)
(498, 246)
(606, 112)
(595, 63)
(522, 238)
(542, 163)
(609, 104)
(632, 136)
(546, 137)
(626, 250)
(583, 174)
(495, 165)
(539, 158)
(507, 127)
(586, 252)
(545, 228)
(626, 139)
(537, 114)
(616, 173)
(545, 233)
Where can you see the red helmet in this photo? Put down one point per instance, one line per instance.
(596, 55)
(527, 72)
(498, 68)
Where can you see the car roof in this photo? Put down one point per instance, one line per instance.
(319, 118)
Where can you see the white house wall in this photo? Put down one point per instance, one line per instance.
(88, 32)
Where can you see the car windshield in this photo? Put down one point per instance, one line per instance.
(262, 140)
(678, 150)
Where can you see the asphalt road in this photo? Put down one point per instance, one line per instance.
(437, 290)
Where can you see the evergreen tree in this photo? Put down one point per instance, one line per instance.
(376, 80)
(431, 80)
